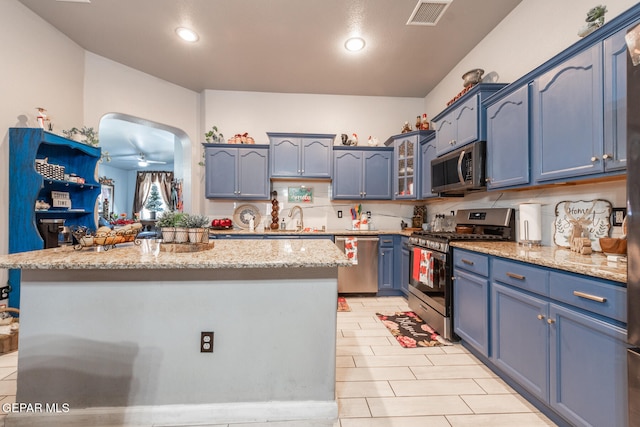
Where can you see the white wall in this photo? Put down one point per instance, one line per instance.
(41, 67)
(531, 34)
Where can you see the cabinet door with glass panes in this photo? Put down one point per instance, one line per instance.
(406, 171)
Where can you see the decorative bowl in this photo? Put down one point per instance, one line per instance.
(613, 245)
(472, 77)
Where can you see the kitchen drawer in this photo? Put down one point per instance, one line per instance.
(597, 296)
(533, 279)
(471, 261)
(386, 241)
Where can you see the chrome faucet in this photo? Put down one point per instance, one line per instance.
(300, 225)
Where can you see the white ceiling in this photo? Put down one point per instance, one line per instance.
(288, 46)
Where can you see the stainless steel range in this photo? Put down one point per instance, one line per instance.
(431, 262)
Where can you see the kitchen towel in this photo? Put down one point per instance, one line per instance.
(351, 249)
(530, 230)
(426, 268)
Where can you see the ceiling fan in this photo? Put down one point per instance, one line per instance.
(143, 161)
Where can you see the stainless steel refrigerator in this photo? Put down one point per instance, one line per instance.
(633, 224)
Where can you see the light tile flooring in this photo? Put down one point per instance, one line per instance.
(380, 384)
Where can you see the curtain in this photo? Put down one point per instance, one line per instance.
(144, 180)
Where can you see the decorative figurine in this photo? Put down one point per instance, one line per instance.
(406, 128)
(373, 141)
(353, 140)
(424, 123)
(274, 210)
(345, 139)
(42, 117)
(595, 20)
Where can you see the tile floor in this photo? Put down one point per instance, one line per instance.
(380, 384)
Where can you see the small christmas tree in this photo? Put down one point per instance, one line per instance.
(154, 202)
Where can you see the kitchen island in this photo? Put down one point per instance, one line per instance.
(114, 337)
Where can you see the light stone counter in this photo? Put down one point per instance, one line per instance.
(334, 232)
(244, 253)
(116, 334)
(595, 265)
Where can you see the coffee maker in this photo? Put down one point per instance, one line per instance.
(50, 229)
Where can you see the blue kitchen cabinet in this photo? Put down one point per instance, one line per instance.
(471, 299)
(567, 118)
(508, 139)
(520, 344)
(464, 121)
(301, 155)
(26, 186)
(362, 173)
(386, 263)
(403, 274)
(427, 153)
(406, 168)
(237, 172)
(615, 102)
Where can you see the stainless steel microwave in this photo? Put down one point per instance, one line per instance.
(460, 171)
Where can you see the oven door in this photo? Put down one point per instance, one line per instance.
(429, 277)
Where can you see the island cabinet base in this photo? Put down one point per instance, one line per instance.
(122, 347)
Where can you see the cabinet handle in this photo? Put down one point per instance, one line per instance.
(594, 159)
(540, 317)
(607, 156)
(515, 276)
(488, 180)
(302, 170)
(589, 296)
(551, 321)
(466, 261)
(452, 142)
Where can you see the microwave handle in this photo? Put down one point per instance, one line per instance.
(460, 176)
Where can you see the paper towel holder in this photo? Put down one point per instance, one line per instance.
(526, 241)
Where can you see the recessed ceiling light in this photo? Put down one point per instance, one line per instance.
(187, 34)
(354, 44)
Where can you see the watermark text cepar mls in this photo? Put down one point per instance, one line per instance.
(36, 407)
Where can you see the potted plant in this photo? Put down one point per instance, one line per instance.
(85, 135)
(213, 136)
(182, 230)
(196, 227)
(154, 202)
(167, 224)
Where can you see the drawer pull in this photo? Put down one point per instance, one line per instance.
(551, 321)
(589, 297)
(515, 276)
(540, 317)
(466, 261)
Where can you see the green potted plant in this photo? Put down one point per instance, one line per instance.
(182, 230)
(85, 135)
(167, 224)
(213, 136)
(195, 227)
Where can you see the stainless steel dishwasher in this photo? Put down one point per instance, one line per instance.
(361, 278)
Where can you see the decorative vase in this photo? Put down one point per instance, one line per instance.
(195, 235)
(182, 235)
(168, 234)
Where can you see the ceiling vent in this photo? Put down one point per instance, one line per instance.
(428, 12)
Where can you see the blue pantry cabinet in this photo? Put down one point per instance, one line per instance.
(297, 155)
(508, 139)
(362, 173)
(26, 186)
(407, 163)
(237, 172)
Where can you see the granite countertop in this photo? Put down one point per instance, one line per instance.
(259, 253)
(595, 265)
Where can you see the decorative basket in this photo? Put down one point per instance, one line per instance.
(9, 342)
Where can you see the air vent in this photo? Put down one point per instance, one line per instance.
(428, 12)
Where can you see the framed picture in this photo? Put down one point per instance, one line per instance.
(300, 194)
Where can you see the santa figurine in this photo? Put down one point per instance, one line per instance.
(42, 117)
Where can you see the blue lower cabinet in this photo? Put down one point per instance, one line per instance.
(386, 263)
(588, 369)
(471, 309)
(520, 346)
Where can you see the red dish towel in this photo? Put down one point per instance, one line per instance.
(415, 273)
(426, 268)
(351, 249)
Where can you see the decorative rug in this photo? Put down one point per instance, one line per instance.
(411, 331)
(343, 305)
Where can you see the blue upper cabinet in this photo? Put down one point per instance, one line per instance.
(237, 172)
(427, 153)
(463, 121)
(26, 186)
(362, 173)
(406, 168)
(615, 102)
(567, 118)
(295, 155)
(508, 139)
